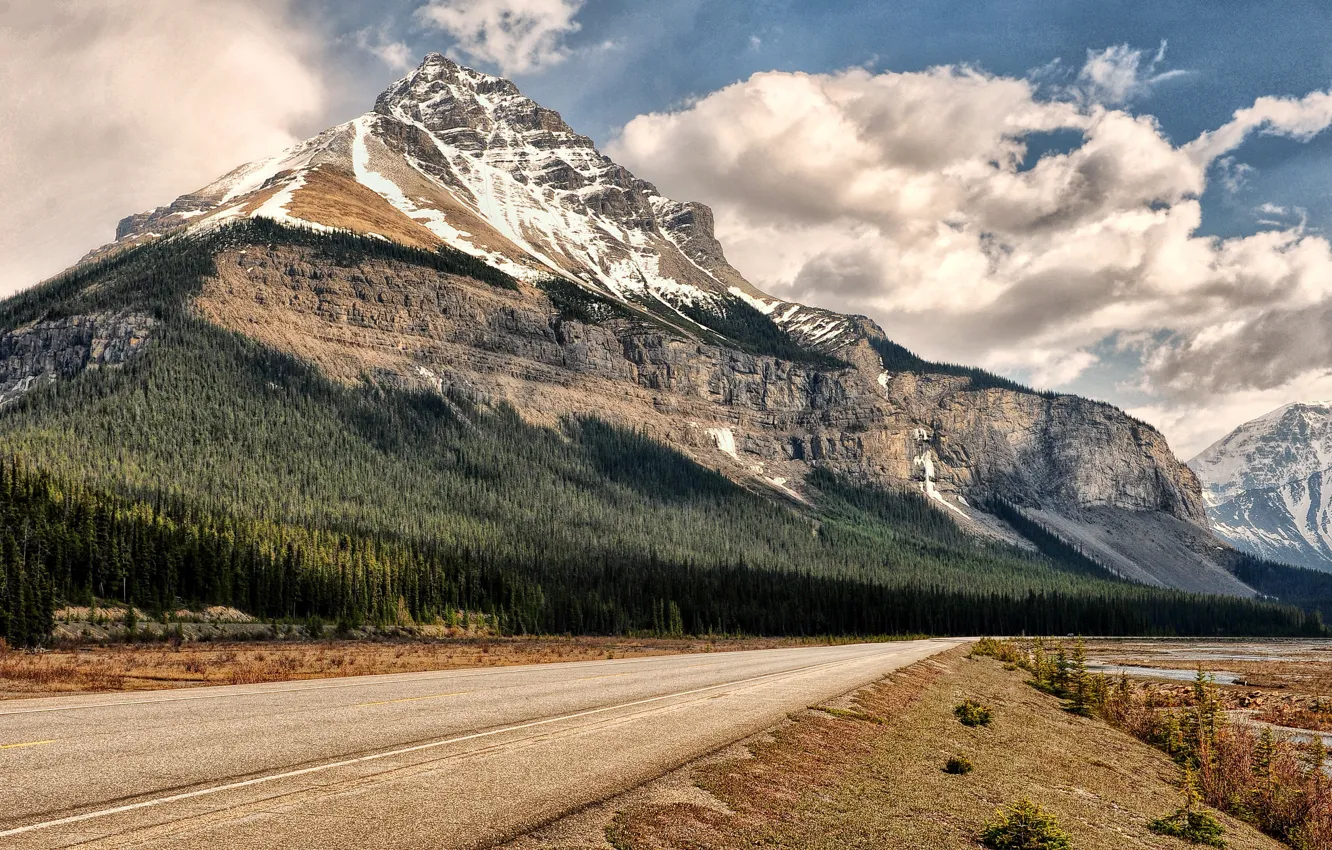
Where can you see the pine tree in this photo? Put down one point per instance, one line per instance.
(1080, 681)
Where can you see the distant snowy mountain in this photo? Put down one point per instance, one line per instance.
(453, 156)
(1268, 485)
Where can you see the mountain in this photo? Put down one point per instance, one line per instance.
(1265, 485)
(448, 344)
(452, 156)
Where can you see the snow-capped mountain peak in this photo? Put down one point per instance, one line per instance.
(1268, 484)
(452, 156)
(1290, 443)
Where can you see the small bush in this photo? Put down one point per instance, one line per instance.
(958, 766)
(1189, 822)
(1023, 826)
(1196, 827)
(972, 713)
(1004, 650)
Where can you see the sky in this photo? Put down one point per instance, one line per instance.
(1128, 201)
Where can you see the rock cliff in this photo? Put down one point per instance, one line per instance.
(764, 421)
(61, 348)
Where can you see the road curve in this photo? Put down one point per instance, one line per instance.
(450, 759)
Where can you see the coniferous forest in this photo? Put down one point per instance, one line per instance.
(211, 470)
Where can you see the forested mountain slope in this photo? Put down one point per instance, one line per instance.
(201, 465)
(762, 388)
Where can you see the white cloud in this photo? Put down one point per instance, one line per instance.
(113, 106)
(1268, 214)
(515, 36)
(396, 55)
(909, 197)
(1117, 74)
(1233, 175)
(1299, 118)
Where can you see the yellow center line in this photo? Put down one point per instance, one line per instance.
(25, 744)
(411, 699)
(607, 676)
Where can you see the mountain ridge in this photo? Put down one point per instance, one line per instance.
(462, 158)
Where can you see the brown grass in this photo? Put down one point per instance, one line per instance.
(1311, 677)
(334, 198)
(842, 782)
(1270, 780)
(152, 666)
(1296, 710)
(1296, 665)
(1314, 714)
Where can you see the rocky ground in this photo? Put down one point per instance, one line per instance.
(1284, 683)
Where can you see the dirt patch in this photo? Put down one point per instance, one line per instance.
(872, 776)
(334, 198)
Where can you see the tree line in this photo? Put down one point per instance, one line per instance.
(71, 543)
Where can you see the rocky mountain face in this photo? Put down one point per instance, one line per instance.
(1268, 487)
(61, 348)
(452, 157)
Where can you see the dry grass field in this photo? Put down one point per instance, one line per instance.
(143, 666)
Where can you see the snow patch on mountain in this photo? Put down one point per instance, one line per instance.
(925, 460)
(1291, 442)
(475, 164)
(390, 191)
(276, 206)
(725, 441)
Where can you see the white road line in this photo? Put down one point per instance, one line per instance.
(259, 780)
(25, 744)
(229, 695)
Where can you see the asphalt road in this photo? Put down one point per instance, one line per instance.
(462, 758)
